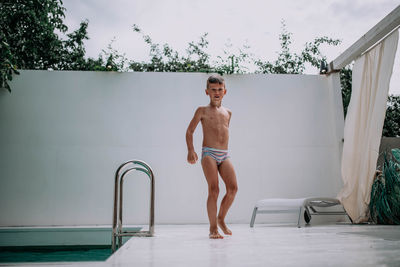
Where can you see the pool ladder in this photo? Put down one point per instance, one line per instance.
(117, 231)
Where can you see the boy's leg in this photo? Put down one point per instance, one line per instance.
(228, 175)
(210, 170)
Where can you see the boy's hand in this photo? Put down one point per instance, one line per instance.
(192, 157)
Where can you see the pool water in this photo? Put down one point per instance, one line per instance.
(56, 244)
(54, 254)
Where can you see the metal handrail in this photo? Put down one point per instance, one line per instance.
(117, 230)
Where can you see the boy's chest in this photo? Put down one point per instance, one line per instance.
(216, 117)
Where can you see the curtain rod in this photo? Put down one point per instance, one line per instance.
(377, 33)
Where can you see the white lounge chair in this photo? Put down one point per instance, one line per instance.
(307, 206)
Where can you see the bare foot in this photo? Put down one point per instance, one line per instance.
(223, 227)
(215, 235)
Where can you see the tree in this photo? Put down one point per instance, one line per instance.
(29, 26)
(391, 127)
(292, 63)
(7, 68)
(109, 60)
(163, 58)
(73, 50)
(233, 63)
(29, 39)
(345, 82)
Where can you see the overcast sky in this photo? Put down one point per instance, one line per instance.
(256, 23)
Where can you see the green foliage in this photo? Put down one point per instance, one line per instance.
(29, 39)
(391, 127)
(73, 50)
(163, 58)
(29, 27)
(345, 82)
(292, 63)
(113, 60)
(232, 63)
(384, 205)
(7, 69)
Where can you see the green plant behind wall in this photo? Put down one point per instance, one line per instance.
(7, 69)
(384, 205)
(29, 38)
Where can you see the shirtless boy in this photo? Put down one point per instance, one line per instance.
(214, 159)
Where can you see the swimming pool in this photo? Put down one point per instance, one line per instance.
(54, 254)
(56, 244)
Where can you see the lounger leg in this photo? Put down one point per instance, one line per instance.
(348, 216)
(253, 217)
(300, 213)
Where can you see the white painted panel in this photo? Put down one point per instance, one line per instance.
(63, 134)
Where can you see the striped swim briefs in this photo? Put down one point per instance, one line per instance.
(218, 155)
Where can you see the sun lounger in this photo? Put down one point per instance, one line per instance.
(305, 207)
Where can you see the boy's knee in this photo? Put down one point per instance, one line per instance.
(232, 189)
(213, 191)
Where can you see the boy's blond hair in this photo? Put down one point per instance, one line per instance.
(215, 78)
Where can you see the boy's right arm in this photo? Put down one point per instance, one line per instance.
(192, 156)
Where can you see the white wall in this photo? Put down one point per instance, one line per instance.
(63, 134)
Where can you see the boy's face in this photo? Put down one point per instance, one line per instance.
(216, 92)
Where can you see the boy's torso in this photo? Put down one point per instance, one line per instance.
(215, 123)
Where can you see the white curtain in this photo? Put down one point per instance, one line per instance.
(363, 125)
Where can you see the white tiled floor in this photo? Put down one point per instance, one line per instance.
(264, 245)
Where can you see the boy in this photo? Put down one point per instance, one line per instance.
(215, 122)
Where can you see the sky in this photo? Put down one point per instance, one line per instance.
(256, 23)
